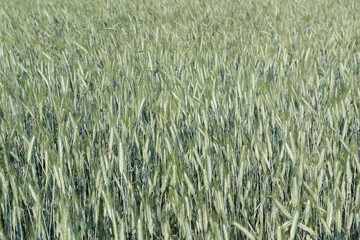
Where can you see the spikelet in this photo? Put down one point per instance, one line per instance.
(248, 234)
(122, 231)
(294, 225)
(283, 209)
(199, 221)
(33, 194)
(349, 174)
(307, 212)
(188, 208)
(320, 181)
(345, 129)
(173, 180)
(188, 231)
(153, 183)
(338, 220)
(225, 230)
(205, 218)
(307, 229)
(168, 145)
(121, 158)
(13, 188)
(139, 230)
(295, 193)
(190, 186)
(329, 213)
(231, 203)
(209, 168)
(31, 145)
(113, 219)
(350, 222)
(293, 147)
(150, 223)
(326, 227)
(165, 229)
(357, 162)
(279, 233)
(165, 178)
(206, 181)
(357, 197)
(291, 155)
(241, 174)
(111, 139)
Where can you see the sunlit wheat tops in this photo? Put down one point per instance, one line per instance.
(179, 119)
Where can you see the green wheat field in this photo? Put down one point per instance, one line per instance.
(180, 119)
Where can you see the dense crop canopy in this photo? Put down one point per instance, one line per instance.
(185, 119)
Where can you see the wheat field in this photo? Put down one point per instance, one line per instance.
(179, 119)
